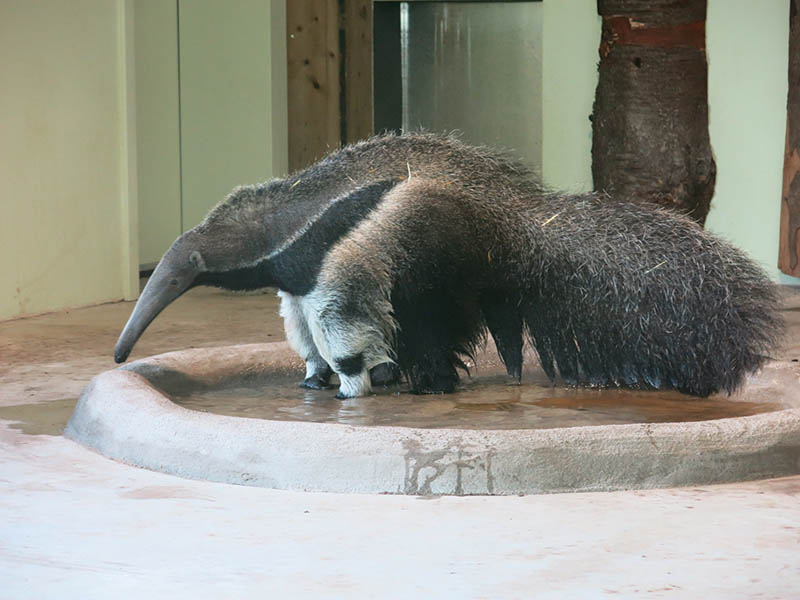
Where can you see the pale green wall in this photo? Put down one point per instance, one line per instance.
(69, 165)
(747, 44)
(157, 127)
(216, 120)
(64, 164)
(228, 132)
(569, 60)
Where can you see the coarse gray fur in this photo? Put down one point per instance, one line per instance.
(405, 250)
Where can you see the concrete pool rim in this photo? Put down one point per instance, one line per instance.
(123, 416)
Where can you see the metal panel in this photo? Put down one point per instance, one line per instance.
(474, 67)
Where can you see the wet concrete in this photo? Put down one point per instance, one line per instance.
(46, 418)
(53, 356)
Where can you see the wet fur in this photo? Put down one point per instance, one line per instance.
(377, 267)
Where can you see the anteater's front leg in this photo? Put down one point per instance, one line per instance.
(298, 334)
(352, 332)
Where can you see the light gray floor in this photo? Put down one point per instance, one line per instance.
(74, 524)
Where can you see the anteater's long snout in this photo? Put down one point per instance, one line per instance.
(168, 282)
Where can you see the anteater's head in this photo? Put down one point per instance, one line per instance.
(223, 250)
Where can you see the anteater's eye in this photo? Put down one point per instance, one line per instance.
(173, 282)
(196, 259)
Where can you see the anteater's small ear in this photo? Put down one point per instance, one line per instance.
(197, 260)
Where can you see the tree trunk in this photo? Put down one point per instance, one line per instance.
(790, 206)
(650, 122)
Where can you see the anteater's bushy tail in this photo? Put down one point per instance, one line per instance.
(618, 293)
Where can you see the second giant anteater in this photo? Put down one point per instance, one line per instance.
(404, 250)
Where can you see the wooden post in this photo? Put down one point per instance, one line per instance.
(789, 250)
(358, 113)
(650, 119)
(329, 54)
(312, 53)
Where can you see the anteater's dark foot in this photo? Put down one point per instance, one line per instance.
(315, 382)
(430, 391)
(385, 374)
(318, 381)
(434, 383)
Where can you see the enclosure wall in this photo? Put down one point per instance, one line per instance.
(570, 38)
(65, 173)
(748, 53)
(68, 125)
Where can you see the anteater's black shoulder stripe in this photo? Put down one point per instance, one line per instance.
(295, 268)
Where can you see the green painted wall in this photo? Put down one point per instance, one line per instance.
(211, 100)
(157, 127)
(747, 44)
(74, 151)
(570, 40)
(64, 187)
(228, 133)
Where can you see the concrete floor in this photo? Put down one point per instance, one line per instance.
(74, 524)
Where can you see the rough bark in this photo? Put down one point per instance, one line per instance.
(790, 205)
(650, 119)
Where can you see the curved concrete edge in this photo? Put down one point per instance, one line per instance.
(122, 416)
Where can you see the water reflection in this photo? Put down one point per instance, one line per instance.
(487, 402)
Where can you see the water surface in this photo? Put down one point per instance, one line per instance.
(483, 402)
